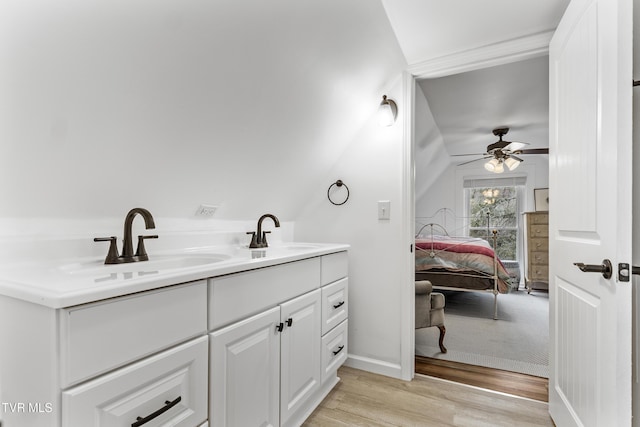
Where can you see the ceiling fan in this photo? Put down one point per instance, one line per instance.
(504, 153)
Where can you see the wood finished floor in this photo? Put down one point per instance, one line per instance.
(365, 399)
(528, 386)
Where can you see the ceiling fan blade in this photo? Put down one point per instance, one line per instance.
(474, 160)
(516, 158)
(515, 146)
(471, 154)
(532, 151)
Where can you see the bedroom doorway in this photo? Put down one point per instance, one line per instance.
(452, 117)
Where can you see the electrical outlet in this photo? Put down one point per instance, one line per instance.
(206, 211)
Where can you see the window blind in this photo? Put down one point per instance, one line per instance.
(513, 181)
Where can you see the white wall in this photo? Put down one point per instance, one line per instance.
(372, 169)
(166, 104)
(250, 105)
(430, 154)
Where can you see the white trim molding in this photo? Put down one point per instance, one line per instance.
(485, 56)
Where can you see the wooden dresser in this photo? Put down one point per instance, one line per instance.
(536, 250)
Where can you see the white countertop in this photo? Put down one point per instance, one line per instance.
(68, 282)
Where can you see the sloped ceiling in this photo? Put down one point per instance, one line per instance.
(169, 104)
(467, 106)
(428, 29)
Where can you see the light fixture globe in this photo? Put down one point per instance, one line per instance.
(491, 165)
(511, 163)
(387, 112)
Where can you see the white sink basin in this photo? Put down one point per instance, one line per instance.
(156, 264)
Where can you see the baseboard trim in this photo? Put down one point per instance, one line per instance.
(375, 366)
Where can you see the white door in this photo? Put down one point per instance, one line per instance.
(590, 214)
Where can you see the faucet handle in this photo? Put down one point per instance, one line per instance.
(254, 243)
(112, 255)
(264, 239)
(141, 253)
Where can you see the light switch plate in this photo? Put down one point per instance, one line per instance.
(384, 209)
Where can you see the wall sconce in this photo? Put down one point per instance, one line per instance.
(387, 112)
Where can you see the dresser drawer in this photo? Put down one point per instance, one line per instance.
(539, 258)
(334, 267)
(539, 244)
(538, 230)
(166, 389)
(539, 218)
(335, 304)
(98, 337)
(334, 350)
(539, 272)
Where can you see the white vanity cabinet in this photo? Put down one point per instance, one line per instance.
(281, 361)
(256, 344)
(108, 362)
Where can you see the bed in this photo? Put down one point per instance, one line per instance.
(459, 263)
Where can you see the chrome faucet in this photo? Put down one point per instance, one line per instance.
(127, 246)
(259, 237)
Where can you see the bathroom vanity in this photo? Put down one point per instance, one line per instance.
(211, 337)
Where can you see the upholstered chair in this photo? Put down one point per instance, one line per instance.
(430, 309)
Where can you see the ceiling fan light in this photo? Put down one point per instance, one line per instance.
(511, 163)
(499, 168)
(491, 165)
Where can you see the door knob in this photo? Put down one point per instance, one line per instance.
(606, 268)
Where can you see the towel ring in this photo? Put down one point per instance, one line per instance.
(338, 183)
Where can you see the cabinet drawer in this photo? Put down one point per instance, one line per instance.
(334, 267)
(539, 258)
(101, 336)
(335, 304)
(539, 272)
(538, 230)
(334, 350)
(241, 295)
(539, 244)
(171, 385)
(539, 218)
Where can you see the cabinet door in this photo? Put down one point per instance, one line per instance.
(244, 365)
(300, 352)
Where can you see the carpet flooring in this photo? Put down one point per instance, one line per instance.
(518, 341)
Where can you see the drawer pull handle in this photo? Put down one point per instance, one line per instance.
(280, 327)
(289, 322)
(338, 350)
(340, 304)
(167, 405)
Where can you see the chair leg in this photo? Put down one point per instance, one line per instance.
(443, 330)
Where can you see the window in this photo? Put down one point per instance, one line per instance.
(493, 204)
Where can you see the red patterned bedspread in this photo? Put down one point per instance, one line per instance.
(460, 255)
